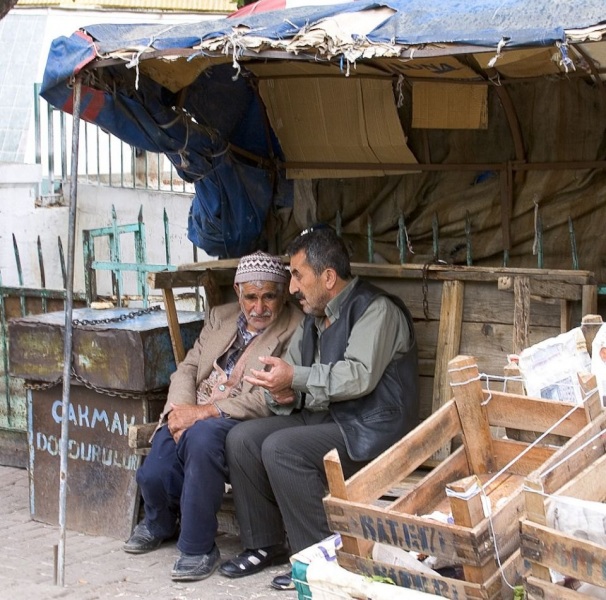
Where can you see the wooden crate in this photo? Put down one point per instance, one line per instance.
(482, 469)
(582, 476)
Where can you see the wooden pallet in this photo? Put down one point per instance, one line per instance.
(582, 476)
(481, 469)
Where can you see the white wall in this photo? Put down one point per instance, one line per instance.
(20, 215)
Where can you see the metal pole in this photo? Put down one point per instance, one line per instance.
(67, 341)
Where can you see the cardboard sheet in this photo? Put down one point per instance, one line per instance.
(336, 120)
(449, 106)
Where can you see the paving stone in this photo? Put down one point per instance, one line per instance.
(96, 568)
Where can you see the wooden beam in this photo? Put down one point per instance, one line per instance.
(590, 324)
(544, 289)
(521, 314)
(173, 325)
(449, 341)
(338, 489)
(469, 399)
(224, 270)
(589, 305)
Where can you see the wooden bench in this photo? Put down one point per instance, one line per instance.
(481, 311)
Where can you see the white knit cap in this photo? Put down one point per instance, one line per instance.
(260, 266)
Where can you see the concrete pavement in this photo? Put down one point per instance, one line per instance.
(96, 568)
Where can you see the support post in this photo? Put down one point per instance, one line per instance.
(67, 341)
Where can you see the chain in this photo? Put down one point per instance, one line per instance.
(131, 315)
(152, 395)
(425, 288)
(425, 283)
(39, 387)
(157, 394)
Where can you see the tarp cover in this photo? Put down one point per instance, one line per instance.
(215, 126)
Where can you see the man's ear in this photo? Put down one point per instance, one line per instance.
(237, 290)
(330, 278)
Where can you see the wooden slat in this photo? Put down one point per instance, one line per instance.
(464, 273)
(444, 587)
(533, 414)
(138, 436)
(192, 278)
(589, 304)
(589, 484)
(449, 340)
(576, 456)
(467, 510)
(430, 490)
(468, 396)
(507, 450)
(405, 456)
(447, 541)
(410, 271)
(544, 289)
(555, 550)
(535, 512)
(337, 489)
(537, 589)
(589, 326)
(173, 325)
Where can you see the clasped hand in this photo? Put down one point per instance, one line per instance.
(183, 416)
(277, 380)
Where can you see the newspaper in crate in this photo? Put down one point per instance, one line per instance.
(598, 359)
(550, 368)
(581, 520)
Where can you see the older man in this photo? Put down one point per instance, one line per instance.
(348, 381)
(183, 479)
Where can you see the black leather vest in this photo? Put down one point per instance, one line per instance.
(372, 423)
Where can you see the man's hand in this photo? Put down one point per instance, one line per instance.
(277, 381)
(183, 416)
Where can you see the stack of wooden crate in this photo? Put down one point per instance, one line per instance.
(579, 555)
(479, 486)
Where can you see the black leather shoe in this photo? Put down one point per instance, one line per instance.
(194, 567)
(142, 540)
(283, 582)
(253, 561)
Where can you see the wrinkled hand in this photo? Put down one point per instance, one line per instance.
(277, 381)
(183, 416)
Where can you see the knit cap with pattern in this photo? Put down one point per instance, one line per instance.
(261, 266)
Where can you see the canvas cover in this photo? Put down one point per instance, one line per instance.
(215, 96)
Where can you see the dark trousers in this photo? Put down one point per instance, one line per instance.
(277, 473)
(186, 479)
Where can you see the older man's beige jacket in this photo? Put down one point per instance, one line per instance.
(234, 396)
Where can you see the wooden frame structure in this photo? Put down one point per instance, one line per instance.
(483, 469)
(481, 311)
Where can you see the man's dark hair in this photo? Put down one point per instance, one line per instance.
(323, 249)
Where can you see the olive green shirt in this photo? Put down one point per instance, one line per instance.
(380, 335)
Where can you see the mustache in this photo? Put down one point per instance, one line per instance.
(265, 313)
(299, 296)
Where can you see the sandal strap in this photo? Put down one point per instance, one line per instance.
(250, 558)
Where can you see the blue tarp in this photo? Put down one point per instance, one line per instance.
(234, 194)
